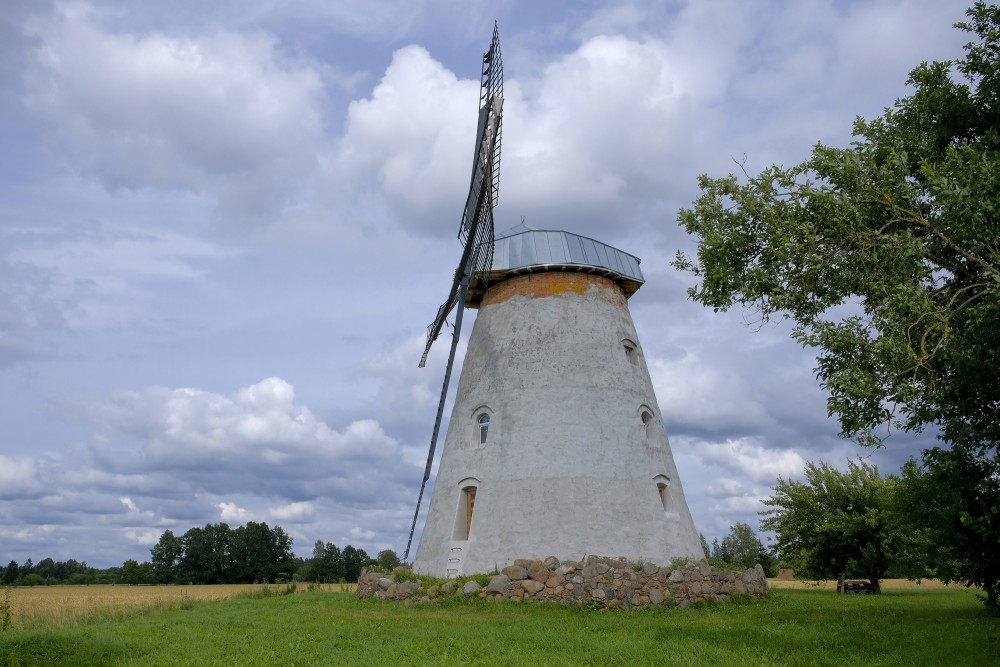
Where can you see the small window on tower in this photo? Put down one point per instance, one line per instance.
(647, 421)
(630, 352)
(661, 488)
(484, 428)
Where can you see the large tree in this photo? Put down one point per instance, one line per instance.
(261, 554)
(165, 558)
(741, 549)
(838, 522)
(886, 257)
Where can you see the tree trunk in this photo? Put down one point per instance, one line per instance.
(876, 588)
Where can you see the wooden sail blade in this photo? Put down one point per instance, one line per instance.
(476, 229)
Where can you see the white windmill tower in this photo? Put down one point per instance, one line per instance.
(555, 445)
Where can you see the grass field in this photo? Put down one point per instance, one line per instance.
(903, 626)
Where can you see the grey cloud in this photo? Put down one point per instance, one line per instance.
(225, 115)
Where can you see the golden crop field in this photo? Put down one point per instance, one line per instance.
(887, 584)
(61, 606)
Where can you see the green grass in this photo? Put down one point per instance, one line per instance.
(791, 627)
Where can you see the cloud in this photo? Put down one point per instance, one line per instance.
(258, 427)
(103, 277)
(20, 477)
(127, 502)
(724, 487)
(744, 456)
(614, 118)
(231, 512)
(226, 115)
(146, 538)
(414, 136)
(362, 534)
(294, 512)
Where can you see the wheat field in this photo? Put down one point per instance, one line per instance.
(887, 584)
(31, 607)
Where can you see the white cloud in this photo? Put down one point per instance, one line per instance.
(147, 537)
(745, 456)
(127, 502)
(256, 440)
(414, 136)
(297, 512)
(231, 512)
(20, 477)
(695, 389)
(225, 114)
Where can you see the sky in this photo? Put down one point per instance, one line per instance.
(225, 226)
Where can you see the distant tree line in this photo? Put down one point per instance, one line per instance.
(740, 549)
(48, 572)
(212, 554)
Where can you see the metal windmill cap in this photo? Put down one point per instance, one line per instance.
(523, 250)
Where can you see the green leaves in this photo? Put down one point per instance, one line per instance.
(885, 255)
(837, 522)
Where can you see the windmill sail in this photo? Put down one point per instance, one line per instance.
(475, 230)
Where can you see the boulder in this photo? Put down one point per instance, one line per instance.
(499, 583)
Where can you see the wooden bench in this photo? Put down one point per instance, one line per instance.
(857, 587)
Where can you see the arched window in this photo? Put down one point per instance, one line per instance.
(647, 421)
(631, 353)
(484, 428)
(662, 482)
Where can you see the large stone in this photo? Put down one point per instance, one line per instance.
(406, 589)
(598, 594)
(551, 562)
(515, 572)
(555, 580)
(471, 588)
(655, 596)
(531, 587)
(538, 571)
(499, 583)
(384, 583)
(677, 576)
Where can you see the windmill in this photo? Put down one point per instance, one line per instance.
(556, 445)
(475, 230)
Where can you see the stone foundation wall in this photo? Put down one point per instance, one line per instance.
(610, 582)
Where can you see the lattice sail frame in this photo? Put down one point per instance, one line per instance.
(476, 229)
